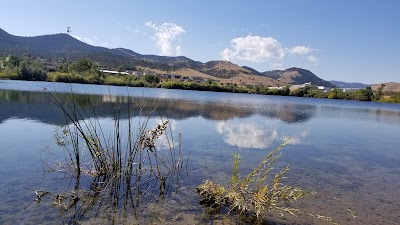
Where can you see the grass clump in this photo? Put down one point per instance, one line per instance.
(114, 169)
(106, 152)
(258, 194)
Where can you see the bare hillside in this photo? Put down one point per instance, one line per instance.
(391, 86)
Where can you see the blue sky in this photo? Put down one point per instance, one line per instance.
(345, 40)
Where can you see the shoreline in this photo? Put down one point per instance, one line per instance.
(201, 89)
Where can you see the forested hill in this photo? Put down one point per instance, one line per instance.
(55, 46)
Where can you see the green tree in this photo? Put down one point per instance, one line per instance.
(28, 72)
(152, 79)
(84, 65)
(62, 67)
(285, 90)
(39, 74)
(363, 95)
(369, 93)
(25, 73)
(14, 61)
(301, 92)
(379, 93)
(334, 94)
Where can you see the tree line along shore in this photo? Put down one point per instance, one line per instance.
(86, 71)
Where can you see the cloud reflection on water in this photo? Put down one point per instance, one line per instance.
(297, 139)
(247, 135)
(165, 141)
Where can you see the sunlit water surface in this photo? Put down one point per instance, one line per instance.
(346, 151)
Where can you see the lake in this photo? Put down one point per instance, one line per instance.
(345, 151)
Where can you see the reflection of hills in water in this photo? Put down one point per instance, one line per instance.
(38, 106)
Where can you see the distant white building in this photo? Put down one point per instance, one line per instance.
(297, 86)
(324, 89)
(308, 84)
(277, 88)
(113, 72)
(351, 89)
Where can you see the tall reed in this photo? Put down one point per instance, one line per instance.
(126, 166)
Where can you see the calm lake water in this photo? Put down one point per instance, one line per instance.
(346, 151)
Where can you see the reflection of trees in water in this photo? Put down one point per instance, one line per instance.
(37, 106)
(290, 113)
(380, 115)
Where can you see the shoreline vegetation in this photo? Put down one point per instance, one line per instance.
(86, 71)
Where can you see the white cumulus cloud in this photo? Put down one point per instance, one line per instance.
(246, 135)
(254, 49)
(165, 35)
(313, 59)
(300, 50)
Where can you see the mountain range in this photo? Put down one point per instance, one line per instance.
(54, 47)
(341, 84)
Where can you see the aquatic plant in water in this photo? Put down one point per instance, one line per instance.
(124, 168)
(257, 194)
